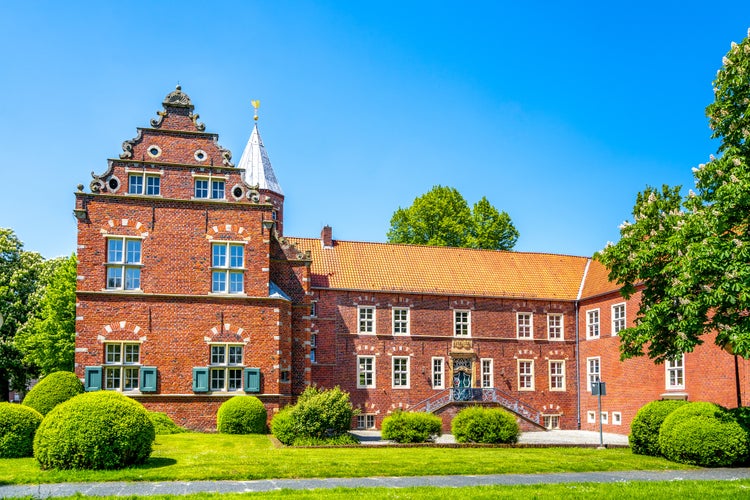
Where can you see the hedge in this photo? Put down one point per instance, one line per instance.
(411, 427)
(242, 415)
(52, 390)
(644, 429)
(485, 425)
(18, 424)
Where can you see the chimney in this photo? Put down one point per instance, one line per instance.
(326, 237)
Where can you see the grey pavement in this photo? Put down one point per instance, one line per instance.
(584, 438)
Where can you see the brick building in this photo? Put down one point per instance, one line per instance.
(189, 293)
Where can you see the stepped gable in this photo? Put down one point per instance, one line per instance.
(388, 267)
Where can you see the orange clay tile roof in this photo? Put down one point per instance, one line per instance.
(350, 265)
(597, 281)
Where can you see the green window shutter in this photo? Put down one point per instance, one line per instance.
(200, 379)
(148, 379)
(93, 378)
(252, 379)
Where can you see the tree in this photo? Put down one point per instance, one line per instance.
(47, 340)
(691, 255)
(442, 217)
(18, 280)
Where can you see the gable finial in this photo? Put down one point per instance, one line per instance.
(256, 105)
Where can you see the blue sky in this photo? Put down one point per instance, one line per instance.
(557, 112)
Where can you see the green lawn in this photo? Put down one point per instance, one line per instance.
(195, 456)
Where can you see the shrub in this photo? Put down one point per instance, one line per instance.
(18, 424)
(52, 390)
(484, 425)
(94, 430)
(163, 424)
(686, 411)
(411, 427)
(323, 413)
(242, 415)
(705, 441)
(282, 426)
(644, 429)
(742, 416)
(340, 440)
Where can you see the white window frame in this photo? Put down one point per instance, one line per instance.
(400, 379)
(144, 176)
(124, 265)
(401, 326)
(591, 417)
(529, 384)
(366, 421)
(367, 372)
(487, 376)
(229, 269)
(313, 347)
(438, 372)
(616, 418)
(593, 327)
(462, 323)
(122, 366)
(363, 322)
(593, 375)
(605, 417)
(524, 330)
(211, 184)
(673, 369)
(548, 419)
(228, 365)
(555, 332)
(619, 323)
(560, 377)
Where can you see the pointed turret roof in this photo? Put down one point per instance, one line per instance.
(257, 165)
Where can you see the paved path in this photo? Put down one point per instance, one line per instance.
(182, 487)
(588, 438)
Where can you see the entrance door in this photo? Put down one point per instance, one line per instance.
(462, 383)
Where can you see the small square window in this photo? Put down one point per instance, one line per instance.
(591, 417)
(616, 418)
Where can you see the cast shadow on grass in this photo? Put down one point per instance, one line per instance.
(157, 463)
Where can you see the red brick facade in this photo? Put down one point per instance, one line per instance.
(188, 294)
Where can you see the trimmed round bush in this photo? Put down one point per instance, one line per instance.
(485, 425)
(52, 390)
(242, 415)
(644, 429)
(94, 430)
(323, 413)
(163, 424)
(18, 424)
(686, 411)
(411, 427)
(705, 441)
(282, 426)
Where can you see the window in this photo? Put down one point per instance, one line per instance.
(400, 372)
(226, 367)
(461, 323)
(366, 421)
(365, 372)
(314, 309)
(593, 372)
(592, 324)
(400, 320)
(227, 268)
(313, 346)
(618, 318)
(487, 378)
(121, 366)
(123, 263)
(604, 417)
(136, 182)
(551, 421)
(209, 188)
(555, 326)
(557, 375)
(525, 375)
(591, 417)
(676, 373)
(524, 324)
(616, 418)
(438, 373)
(366, 320)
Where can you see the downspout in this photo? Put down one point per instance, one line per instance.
(578, 346)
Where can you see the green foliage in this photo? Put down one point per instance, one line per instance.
(340, 440)
(323, 413)
(411, 427)
(163, 424)
(282, 426)
(17, 427)
(742, 416)
(52, 390)
(644, 429)
(95, 430)
(242, 415)
(691, 254)
(47, 339)
(441, 217)
(690, 410)
(484, 425)
(705, 441)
